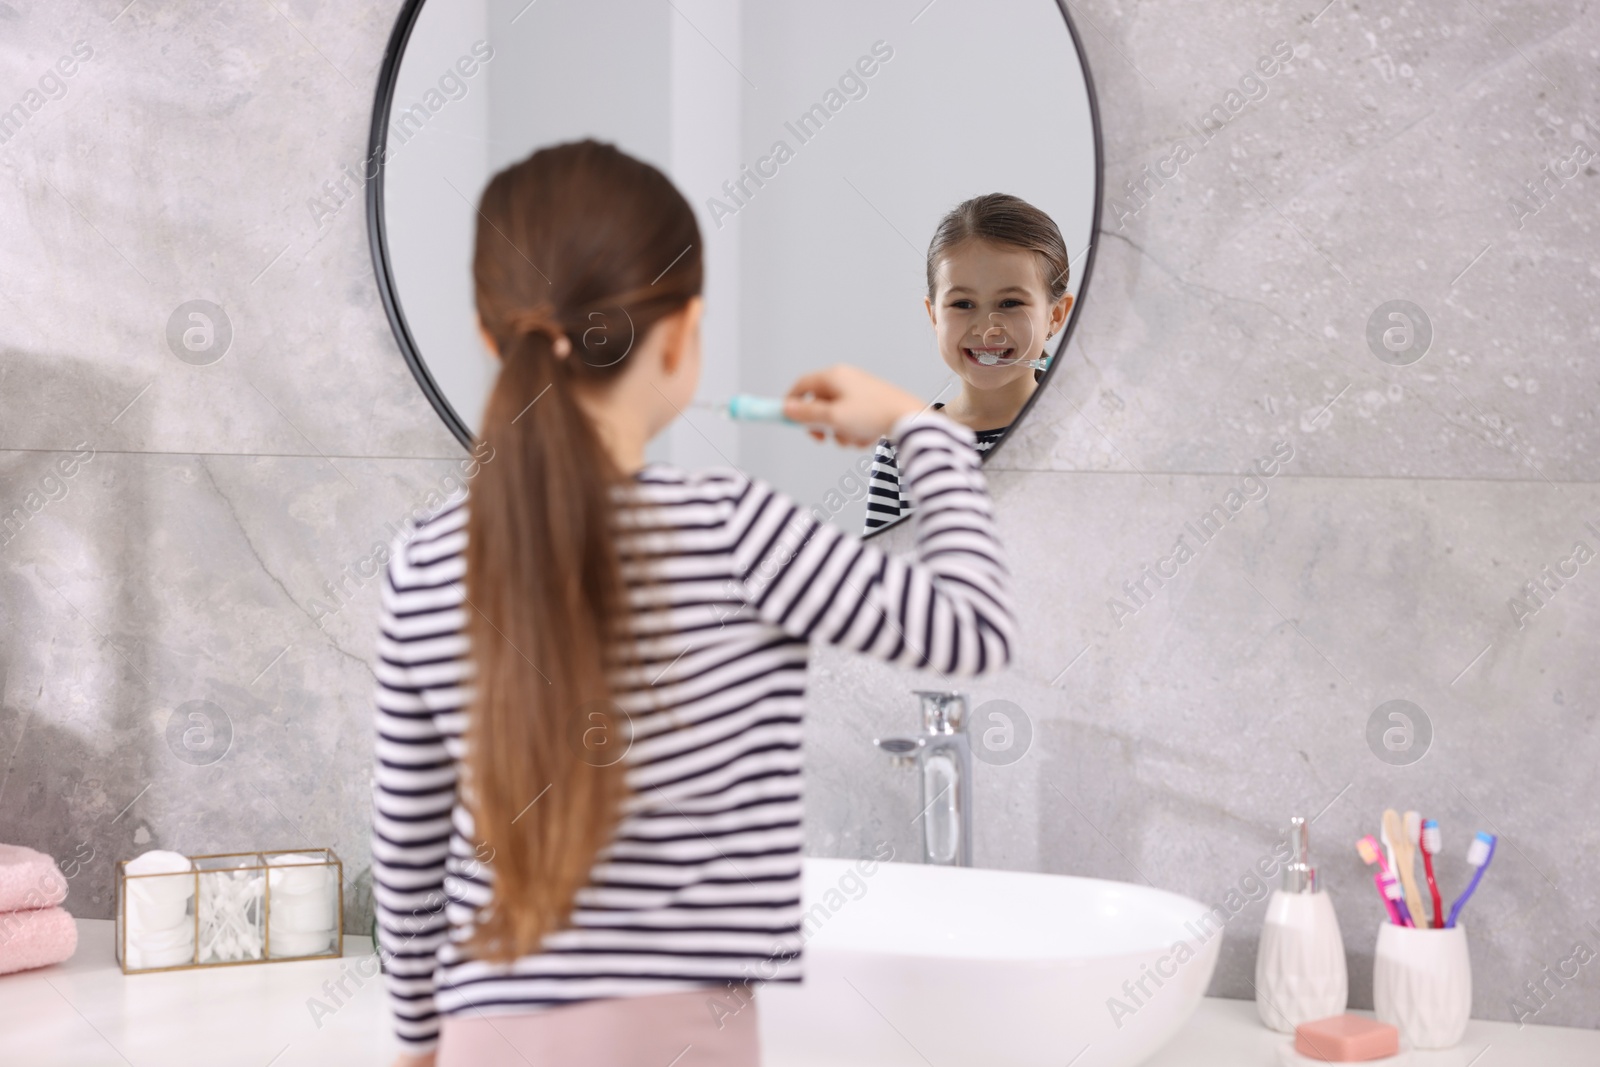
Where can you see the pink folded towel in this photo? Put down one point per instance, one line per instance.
(29, 879)
(37, 937)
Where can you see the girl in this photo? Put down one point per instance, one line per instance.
(588, 853)
(997, 291)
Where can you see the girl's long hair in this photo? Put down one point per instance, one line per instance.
(584, 242)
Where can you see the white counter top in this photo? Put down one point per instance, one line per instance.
(87, 1013)
(1228, 1033)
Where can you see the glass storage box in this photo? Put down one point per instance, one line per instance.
(226, 908)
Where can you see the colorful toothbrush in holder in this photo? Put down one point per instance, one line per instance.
(1388, 885)
(1421, 969)
(1397, 885)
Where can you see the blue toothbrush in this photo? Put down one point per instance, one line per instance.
(1479, 855)
(747, 408)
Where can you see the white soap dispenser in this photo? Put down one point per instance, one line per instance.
(1300, 968)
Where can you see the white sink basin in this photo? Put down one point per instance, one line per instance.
(959, 967)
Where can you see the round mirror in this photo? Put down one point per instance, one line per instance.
(822, 144)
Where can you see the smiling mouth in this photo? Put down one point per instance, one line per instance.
(989, 356)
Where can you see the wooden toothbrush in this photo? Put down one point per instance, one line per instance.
(1405, 856)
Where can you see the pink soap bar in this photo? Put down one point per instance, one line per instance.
(1346, 1039)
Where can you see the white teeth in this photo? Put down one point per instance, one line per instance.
(989, 358)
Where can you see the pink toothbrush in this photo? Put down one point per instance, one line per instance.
(1372, 853)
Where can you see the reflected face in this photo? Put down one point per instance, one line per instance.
(992, 304)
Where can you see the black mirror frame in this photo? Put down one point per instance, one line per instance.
(378, 238)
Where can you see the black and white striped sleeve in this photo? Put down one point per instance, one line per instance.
(884, 501)
(414, 789)
(947, 607)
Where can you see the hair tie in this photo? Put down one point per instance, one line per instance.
(540, 320)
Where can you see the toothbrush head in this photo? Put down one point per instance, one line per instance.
(1481, 850)
(1368, 847)
(1432, 838)
(992, 359)
(1413, 823)
(1394, 831)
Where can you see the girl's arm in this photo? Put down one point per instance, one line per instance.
(946, 608)
(414, 789)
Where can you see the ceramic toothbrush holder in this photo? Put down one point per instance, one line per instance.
(1422, 983)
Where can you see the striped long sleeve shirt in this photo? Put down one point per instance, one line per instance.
(700, 884)
(885, 501)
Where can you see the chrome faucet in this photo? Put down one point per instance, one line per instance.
(944, 755)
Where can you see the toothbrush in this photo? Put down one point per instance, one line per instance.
(1413, 824)
(1388, 888)
(1478, 854)
(1431, 841)
(748, 408)
(1383, 894)
(989, 359)
(1392, 888)
(1388, 845)
(1404, 840)
(1391, 884)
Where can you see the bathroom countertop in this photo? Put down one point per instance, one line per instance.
(87, 1013)
(1228, 1033)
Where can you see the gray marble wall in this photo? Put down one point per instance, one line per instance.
(1175, 734)
(214, 546)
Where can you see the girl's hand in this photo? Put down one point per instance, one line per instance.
(407, 1059)
(856, 406)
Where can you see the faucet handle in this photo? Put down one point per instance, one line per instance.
(902, 750)
(944, 711)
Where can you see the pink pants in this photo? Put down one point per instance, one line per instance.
(676, 1029)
